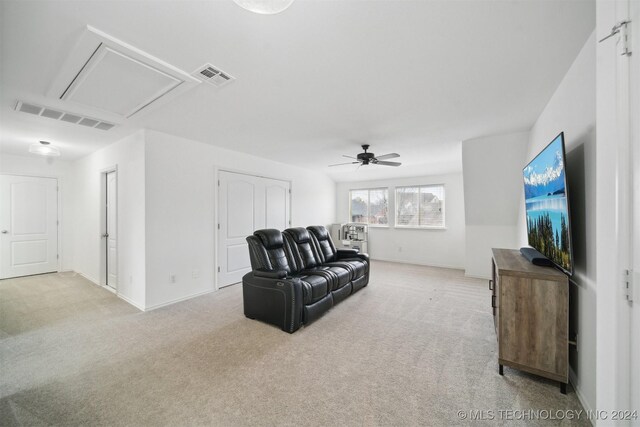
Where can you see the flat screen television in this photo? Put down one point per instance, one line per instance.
(547, 205)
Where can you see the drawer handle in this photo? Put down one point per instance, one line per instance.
(493, 301)
(490, 285)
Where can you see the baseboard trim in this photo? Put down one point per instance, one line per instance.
(95, 282)
(423, 264)
(164, 304)
(113, 291)
(583, 402)
(89, 278)
(475, 276)
(129, 301)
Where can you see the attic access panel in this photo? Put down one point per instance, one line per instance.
(115, 80)
(119, 84)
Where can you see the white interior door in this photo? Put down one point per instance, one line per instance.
(111, 234)
(28, 225)
(246, 203)
(277, 203)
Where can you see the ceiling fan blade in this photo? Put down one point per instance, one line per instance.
(388, 156)
(342, 164)
(388, 163)
(349, 157)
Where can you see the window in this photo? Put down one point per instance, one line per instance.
(370, 206)
(420, 206)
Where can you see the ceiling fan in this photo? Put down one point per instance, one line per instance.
(370, 158)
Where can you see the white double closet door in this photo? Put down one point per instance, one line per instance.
(28, 225)
(246, 203)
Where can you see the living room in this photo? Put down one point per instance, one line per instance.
(145, 325)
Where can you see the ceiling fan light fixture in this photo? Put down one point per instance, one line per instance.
(264, 7)
(44, 148)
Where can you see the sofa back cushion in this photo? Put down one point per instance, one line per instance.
(268, 251)
(325, 249)
(302, 249)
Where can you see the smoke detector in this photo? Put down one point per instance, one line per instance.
(213, 75)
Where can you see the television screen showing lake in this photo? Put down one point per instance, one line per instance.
(546, 205)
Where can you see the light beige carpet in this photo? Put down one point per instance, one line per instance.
(413, 348)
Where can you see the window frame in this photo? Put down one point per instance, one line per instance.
(421, 227)
(368, 190)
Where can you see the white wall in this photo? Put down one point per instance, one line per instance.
(181, 209)
(166, 210)
(572, 109)
(128, 156)
(441, 248)
(492, 170)
(51, 168)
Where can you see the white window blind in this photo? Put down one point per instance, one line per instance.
(370, 206)
(420, 206)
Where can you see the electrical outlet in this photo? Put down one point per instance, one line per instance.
(195, 274)
(172, 278)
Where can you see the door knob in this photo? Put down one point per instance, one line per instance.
(105, 235)
(4, 231)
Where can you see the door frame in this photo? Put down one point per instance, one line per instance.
(216, 217)
(59, 228)
(103, 225)
(614, 127)
(634, 129)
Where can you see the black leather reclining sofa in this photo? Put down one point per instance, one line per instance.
(298, 275)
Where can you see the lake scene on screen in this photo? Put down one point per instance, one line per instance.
(546, 205)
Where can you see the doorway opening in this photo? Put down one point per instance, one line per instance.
(109, 225)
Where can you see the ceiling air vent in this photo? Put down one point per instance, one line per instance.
(213, 75)
(62, 116)
(28, 108)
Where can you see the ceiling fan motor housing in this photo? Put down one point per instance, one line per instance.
(365, 158)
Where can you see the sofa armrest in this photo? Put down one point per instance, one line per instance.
(363, 256)
(273, 300)
(347, 253)
(270, 274)
(352, 253)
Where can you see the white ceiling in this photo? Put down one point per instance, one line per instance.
(314, 82)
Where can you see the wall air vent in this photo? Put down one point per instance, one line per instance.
(213, 75)
(62, 116)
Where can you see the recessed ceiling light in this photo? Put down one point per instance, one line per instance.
(44, 148)
(265, 7)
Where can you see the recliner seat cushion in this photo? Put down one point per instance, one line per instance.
(314, 287)
(341, 274)
(359, 266)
